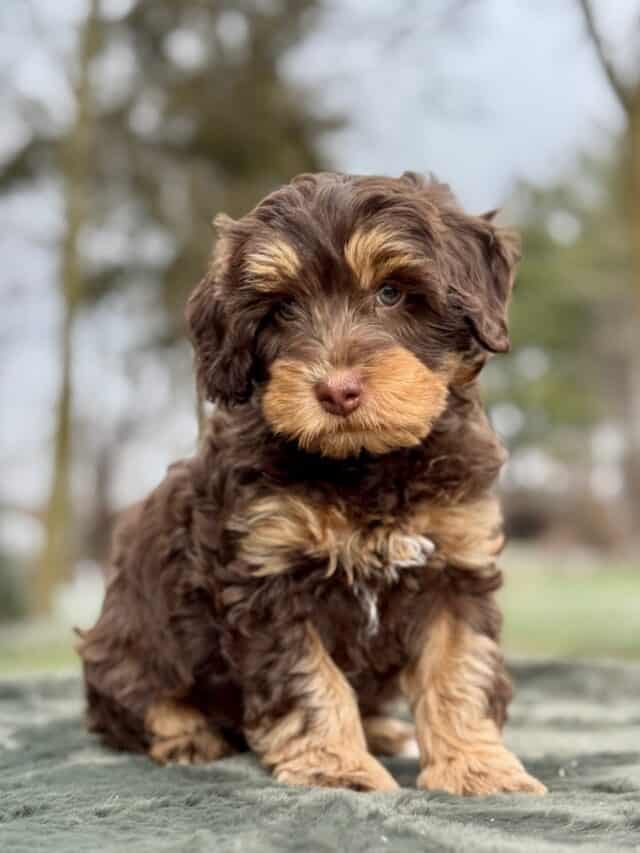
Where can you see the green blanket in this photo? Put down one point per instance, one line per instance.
(576, 725)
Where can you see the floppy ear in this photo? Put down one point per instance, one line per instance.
(478, 264)
(221, 333)
(487, 256)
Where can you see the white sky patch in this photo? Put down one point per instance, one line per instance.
(14, 135)
(35, 214)
(607, 443)
(78, 602)
(39, 78)
(144, 461)
(533, 468)
(146, 115)
(476, 109)
(532, 363)
(20, 533)
(113, 73)
(113, 245)
(103, 247)
(155, 247)
(563, 227)
(186, 48)
(233, 29)
(606, 481)
(507, 419)
(115, 10)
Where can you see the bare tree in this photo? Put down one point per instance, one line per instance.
(627, 92)
(75, 167)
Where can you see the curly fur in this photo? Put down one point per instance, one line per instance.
(278, 588)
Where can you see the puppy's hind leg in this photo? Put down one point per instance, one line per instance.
(179, 733)
(389, 736)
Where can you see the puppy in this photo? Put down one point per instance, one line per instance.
(333, 542)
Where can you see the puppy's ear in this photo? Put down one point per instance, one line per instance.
(487, 256)
(222, 337)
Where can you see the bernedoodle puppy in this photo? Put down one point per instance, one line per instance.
(333, 541)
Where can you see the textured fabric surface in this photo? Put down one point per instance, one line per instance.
(576, 725)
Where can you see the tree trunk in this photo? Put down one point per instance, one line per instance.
(628, 97)
(633, 430)
(55, 559)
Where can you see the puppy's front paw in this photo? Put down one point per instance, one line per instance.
(331, 770)
(483, 775)
(407, 550)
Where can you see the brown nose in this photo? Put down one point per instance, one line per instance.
(340, 394)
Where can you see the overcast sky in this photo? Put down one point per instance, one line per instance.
(514, 94)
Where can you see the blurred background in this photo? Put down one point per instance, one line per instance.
(127, 124)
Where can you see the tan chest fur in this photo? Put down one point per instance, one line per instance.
(276, 531)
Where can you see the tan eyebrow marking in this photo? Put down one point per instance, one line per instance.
(271, 262)
(376, 253)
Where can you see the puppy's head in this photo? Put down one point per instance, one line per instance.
(350, 306)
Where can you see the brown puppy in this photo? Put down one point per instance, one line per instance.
(333, 541)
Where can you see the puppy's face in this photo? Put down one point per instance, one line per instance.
(350, 306)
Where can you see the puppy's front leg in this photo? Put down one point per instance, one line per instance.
(303, 721)
(453, 686)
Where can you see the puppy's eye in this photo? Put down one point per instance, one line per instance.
(388, 295)
(286, 309)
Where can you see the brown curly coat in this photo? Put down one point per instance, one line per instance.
(278, 588)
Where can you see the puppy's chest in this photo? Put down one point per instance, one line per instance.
(284, 532)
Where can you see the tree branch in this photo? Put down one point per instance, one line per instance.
(620, 90)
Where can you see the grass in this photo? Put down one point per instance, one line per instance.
(53, 657)
(553, 605)
(37, 648)
(572, 613)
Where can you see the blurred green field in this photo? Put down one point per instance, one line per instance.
(575, 609)
(37, 647)
(571, 612)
